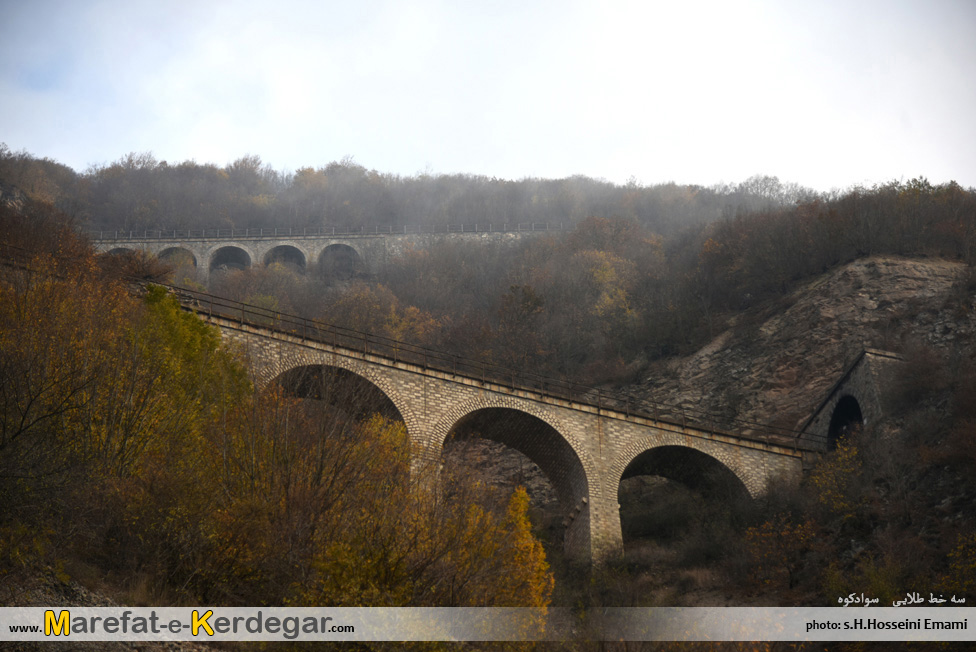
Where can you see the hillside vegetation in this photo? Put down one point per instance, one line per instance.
(136, 457)
(140, 192)
(745, 302)
(643, 273)
(891, 508)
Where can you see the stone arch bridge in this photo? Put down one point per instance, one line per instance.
(341, 252)
(585, 443)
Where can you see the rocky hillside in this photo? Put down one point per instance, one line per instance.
(773, 364)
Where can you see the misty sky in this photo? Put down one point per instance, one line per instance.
(826, 94)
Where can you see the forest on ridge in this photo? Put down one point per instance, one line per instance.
(135, 454)
(640, 274)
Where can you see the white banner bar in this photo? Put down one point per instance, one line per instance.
(789, 624)
(486, 624)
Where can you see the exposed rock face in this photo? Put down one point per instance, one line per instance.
(12, 197)
(501, 467)
(775, 362)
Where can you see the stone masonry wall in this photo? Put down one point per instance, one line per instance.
(373, 250)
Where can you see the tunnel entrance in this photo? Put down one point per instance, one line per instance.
(503, 448)
(339, 262)
(845, 421)
(288, 256)
(681, 500)
(230, 258)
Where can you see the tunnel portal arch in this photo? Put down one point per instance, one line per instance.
(230, 257)
(845, 420)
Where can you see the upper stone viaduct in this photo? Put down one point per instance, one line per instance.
(341, 252)
(585, 443)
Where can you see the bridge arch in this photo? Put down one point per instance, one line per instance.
(752, 479)
(690, 467)
(347, 392)
(533, 431)
(675, 491)
(844, 420)
(289, 359)
(121, 251)
(288, 255)
(230, 256)
(178, 256)
(340, 262)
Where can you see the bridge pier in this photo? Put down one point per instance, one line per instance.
(593, 532)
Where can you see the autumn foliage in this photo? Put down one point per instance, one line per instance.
(777, 548)
(133, 446)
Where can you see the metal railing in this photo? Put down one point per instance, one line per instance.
(397, 352)
(319, 232)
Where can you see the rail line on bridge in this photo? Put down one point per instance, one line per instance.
(397, 351)
(585, 440)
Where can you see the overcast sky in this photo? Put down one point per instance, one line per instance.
(826, 93)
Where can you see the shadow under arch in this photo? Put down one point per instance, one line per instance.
(666, 490)
(178, 256)
(267, 372)
(230, 257)
(340, 262)
(694, 469)
(543, 444)
(846, 419)
(344, 391)
(287, 255)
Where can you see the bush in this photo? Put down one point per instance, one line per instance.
(835, 482)
(777, 547)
